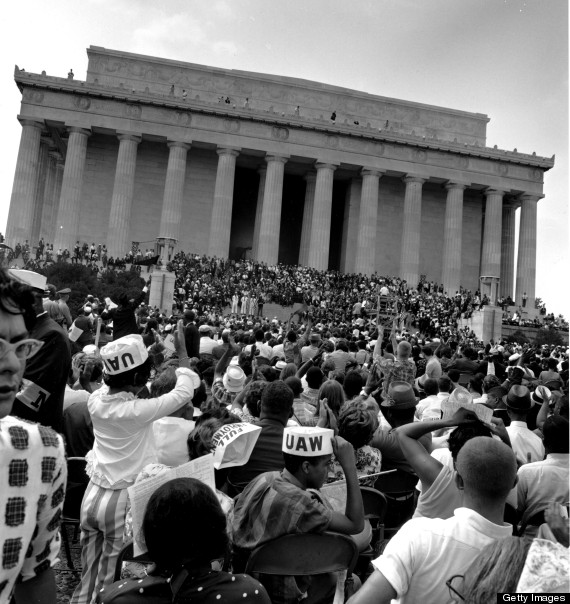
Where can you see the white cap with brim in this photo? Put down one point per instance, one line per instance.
(124, 354)
(30, 278)
(306, 441)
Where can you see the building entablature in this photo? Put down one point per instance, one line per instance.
(69, 102)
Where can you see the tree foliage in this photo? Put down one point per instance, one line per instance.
(82, 281)
(547, 335)
(518, 337)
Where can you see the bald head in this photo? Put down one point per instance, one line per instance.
(488, 468)
(404, 350)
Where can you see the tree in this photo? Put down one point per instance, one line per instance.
(550, 336)
(518, 337)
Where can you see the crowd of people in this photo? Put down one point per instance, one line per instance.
(478, 431)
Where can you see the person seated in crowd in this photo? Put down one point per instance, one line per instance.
(427, 553)
(278, 503)
(264, 351)
(124, 444)
(432, 369)
(207, 343)
(551, 376)
(183, 566)
(33, 469)
(267, 456)
(308, 352)
(398, 409)
(340, 356)
(353, 384)
(526, 444)
(439, 494)
(475, 387)
(544, 482)
(357, 424)
(430, 407)
(399, 370)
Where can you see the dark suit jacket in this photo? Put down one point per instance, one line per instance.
(192, 338)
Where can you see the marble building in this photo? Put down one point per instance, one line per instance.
(227, 163)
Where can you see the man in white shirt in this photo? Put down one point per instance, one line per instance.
(430, 407)
(207, 344)
(527, 446)
(425, 553)
(545, 481)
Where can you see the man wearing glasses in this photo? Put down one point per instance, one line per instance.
(40, 398)
(32, 464)
(428, 552)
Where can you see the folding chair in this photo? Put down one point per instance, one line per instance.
(375, 506)
(77, 481)
(127, 555)
(399, 488)
(304, 554)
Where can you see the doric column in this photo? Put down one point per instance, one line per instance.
(173, 192)
(122, 201)
(310, 180)
(21, 213)
(47, 222)
(367, 222)
(508, 250)
(258, 209)
(59, 168)
(67, 224)
(410, 251)
(452, 238)
(270, 224)
(491, 253)
(350, 225)
(39, 194)
(526, 258)
(221, 224)
(318, 256)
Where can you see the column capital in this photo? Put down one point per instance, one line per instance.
(323, 166)
(78, 130)
(409, 178)
(178, 144)
(262, 169)
(129, 136)
(511, 204)
(531, 197)
(493, 191)
(277, 158)
(235, 151)
(365, 171)
(450, 185)
(33, 123)
(311, 175)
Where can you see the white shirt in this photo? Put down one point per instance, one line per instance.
(265, 351)
(542, 482)
(525, 441)
(122, 425)
(207, 345)
(429, 408)
(426, 552)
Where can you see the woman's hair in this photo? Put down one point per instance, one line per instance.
(357, 424)
(496, 569)
(17, 299)
(199, 441)
(137, 376)
(184, 525)
(462, 434)
(295, 384)
(476, 383)
(333, 392)
(163, 383)
(289, 370)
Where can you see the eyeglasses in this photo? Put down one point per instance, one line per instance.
(454, 585)
(24, 349)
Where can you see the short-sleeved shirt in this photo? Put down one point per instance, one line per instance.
(33, 474)
(398, 370)
(527, 446)
(426, 552)
(388, 444)
(270, 507)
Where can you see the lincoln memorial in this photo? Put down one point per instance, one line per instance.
(226, 163)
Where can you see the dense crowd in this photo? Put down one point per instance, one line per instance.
(293, 411)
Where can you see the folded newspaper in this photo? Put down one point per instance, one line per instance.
(233, 444)
(481, 411)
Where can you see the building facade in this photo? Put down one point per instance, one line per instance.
(227, 163)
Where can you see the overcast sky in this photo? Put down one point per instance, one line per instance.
(505, 58)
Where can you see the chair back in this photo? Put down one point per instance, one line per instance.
(399, 489)
(375, 504)
(304, 554)
(127, 555)
(396, 482)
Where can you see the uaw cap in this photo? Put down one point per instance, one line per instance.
(30, 278)
(306, 441)
(124, 354)
(400, 396)
(518, 398)
(234, 378)
(541, 393)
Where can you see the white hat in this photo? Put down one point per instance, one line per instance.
(514, 357)
(124, 354)
(30, 278)
(90, 349)
(234, 378)
(306, 441)
(280, 365)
